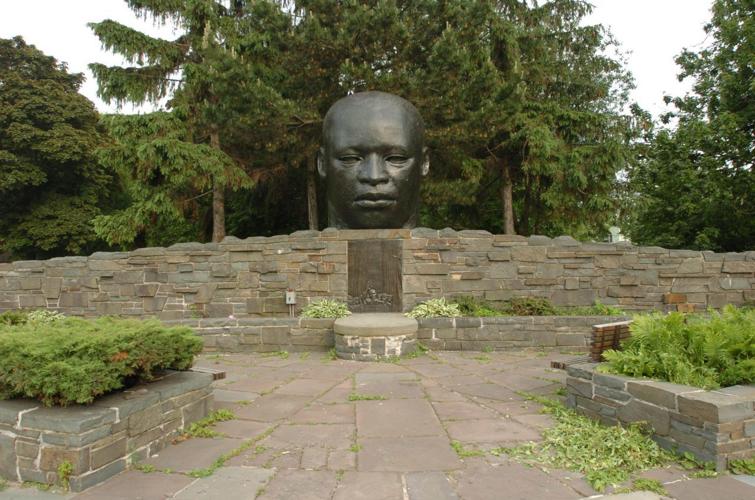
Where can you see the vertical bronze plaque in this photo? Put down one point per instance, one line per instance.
(375, 275)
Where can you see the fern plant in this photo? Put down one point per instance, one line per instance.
(702, 351)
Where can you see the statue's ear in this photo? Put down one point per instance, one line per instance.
(321, 163)
(425, 162)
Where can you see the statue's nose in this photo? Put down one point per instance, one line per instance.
(372, 170)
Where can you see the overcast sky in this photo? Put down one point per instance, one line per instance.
(652, 31)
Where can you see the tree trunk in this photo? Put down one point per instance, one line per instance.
(218, 199)
(524, 226)
(312, 192)
(507, 198)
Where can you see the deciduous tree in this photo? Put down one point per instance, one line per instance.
(51, 186)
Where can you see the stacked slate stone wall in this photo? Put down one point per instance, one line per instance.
(248, 278)
(715, 426)
(101, 439)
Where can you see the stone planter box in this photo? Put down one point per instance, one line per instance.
(101, 439)
(509, 332)
(716, 426)
(449, 334)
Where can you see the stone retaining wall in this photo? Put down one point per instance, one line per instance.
(453, 334)
(101, 439)
(716, 426)
(248, 278)
(514, 332)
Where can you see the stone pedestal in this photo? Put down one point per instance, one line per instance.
(375, 336)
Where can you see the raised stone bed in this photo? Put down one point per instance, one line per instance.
(716, 426)
(101, 439)
(509, 332)
(451, 334)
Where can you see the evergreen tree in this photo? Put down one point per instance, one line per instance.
(51, 186)
(209, 72)
(696, 186)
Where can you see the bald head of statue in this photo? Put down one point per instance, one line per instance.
(373, 158)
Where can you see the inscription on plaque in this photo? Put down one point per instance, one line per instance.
(374, 275)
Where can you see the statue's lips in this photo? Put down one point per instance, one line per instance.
(374, 200)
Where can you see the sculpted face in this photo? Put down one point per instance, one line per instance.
(373, 158)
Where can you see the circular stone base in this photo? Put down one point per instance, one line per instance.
(374, 336)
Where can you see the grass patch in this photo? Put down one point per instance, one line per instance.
(331, 355)
(711, 351)
(605, 455)
(355, 448)
(222, 459)
(279, 354)
(146, 468)
(203, 428)
(3, 484)
(643, 484)
(482, 358)
(355, 396)
(465, 453)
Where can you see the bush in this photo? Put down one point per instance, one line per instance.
(325, 309)
(702, 351)
(474, 306)
(529, 306)
(72, 360)
(435, 308)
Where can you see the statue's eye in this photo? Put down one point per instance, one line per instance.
(349, 159)
(398, 159)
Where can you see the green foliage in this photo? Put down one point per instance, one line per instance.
(73, 360)
(203, 428)
(697, 350)
(465, 453)
(355, 396)
(695, 186)
(474, 306)
(597, 309)
(605, 455)
(529, 306)
(65, 470)
(743, 466)
(434, 308)
(13, 317)
(325, 308)
(51, 185)
(644, 484)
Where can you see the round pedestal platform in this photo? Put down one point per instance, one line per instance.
(374, 336)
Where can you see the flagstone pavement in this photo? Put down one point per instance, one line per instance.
(308, 427)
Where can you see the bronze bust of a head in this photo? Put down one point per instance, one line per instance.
(373, 157)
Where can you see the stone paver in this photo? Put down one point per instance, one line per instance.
(407, 454)
(429, 486)
(192, 454)
(498, 430)
(512, 481)
(706, 489)
(297, 435)
(300, 485)
(228, 483)
(133, 485)
(396, 418)
(370, 486)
